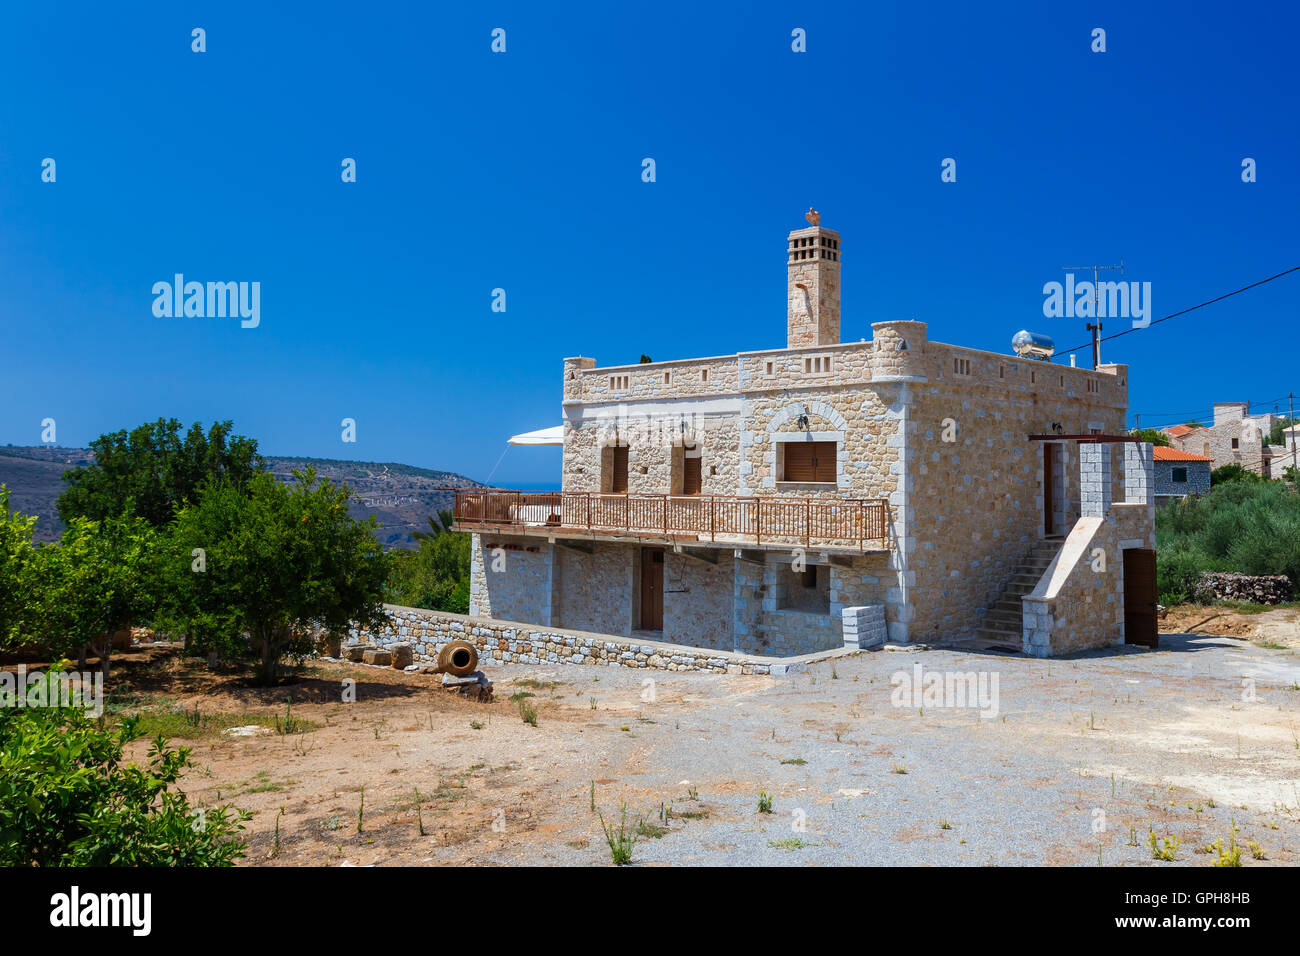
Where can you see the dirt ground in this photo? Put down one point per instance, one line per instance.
(1083, 760)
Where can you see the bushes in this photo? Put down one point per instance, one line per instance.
(1250, 527)
(66, 799)
(435, 577)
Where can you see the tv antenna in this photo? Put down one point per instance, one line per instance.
(1095, 329)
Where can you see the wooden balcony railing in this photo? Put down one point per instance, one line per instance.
(774, 519)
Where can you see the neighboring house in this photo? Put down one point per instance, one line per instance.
(1178, 434)
(790, 500)
(1236, 437)
(1179, 474)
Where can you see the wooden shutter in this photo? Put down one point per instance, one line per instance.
(812, 461)
(691, 481)
(618, 484)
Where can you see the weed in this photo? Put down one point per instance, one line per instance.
(528, 712)
(1163, 851)
(621, 839)
(797, 761)
(764, 802)
(361, 810)
(790, 844)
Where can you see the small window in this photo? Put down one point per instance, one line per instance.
(1180, 474)
(961, 366)
(1234, 443)
(1062, 381)
(1002, 371)
(769, 368)
(1033, 377)
(668, 378)
(704, 375)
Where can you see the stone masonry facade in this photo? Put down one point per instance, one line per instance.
(937, 433)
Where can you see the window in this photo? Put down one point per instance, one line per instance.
(1094, 386)
(769, 368)
(618, 472)
(704, 375)
(1180, 474)
(809, 461)
(618, 382)
(1234, 443)
(808, 577)
(961, 366)
(817, 365)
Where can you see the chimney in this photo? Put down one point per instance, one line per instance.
(813, 285)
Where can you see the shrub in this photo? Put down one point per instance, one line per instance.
(66, 799)
(1249, 527)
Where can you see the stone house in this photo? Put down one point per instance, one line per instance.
(1235, 437)
(783, 501)
(1179, 474)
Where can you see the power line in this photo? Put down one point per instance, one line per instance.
(1175, 315)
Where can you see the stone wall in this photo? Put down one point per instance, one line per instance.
(1259, 589)
(1197, 483)
(507, 642)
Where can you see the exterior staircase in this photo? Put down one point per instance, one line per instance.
(1002, 626)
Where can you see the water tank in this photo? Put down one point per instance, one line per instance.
(1033, 345)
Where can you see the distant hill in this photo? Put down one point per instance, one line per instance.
(401, 496)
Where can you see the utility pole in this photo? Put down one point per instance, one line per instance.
(1095, 329)
(1291, 405)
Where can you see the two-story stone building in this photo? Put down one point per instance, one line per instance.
(757, 501)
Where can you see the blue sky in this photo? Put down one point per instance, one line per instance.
(523, 171)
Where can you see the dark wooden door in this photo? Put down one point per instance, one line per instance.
(1048, 504)
(691, 476)
(652, 589)
(1140, 623)
(618, 482)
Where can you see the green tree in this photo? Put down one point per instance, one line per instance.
(434, 577)
(440, 525)
(1277, 436)
(15, 553)
(67, 799)
(157, 468)
(99, 578)
(1151, 435)
(277, 560)
(1232, 472)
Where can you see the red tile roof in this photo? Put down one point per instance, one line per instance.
(1178, 431)
(1173, 454)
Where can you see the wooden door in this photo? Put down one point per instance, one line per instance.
(652, 589)
(618, 482)
(691, 476)
(1140, 622)
(1048, 504)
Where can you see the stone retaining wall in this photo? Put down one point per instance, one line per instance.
(508, 642)
(1226, 586)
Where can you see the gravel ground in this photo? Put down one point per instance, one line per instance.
(1084, 756)
(1079, 760)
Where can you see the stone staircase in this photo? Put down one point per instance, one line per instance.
(1002, 624)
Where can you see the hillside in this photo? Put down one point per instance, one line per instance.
(401, 496)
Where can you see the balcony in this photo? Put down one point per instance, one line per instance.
(842, 524)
